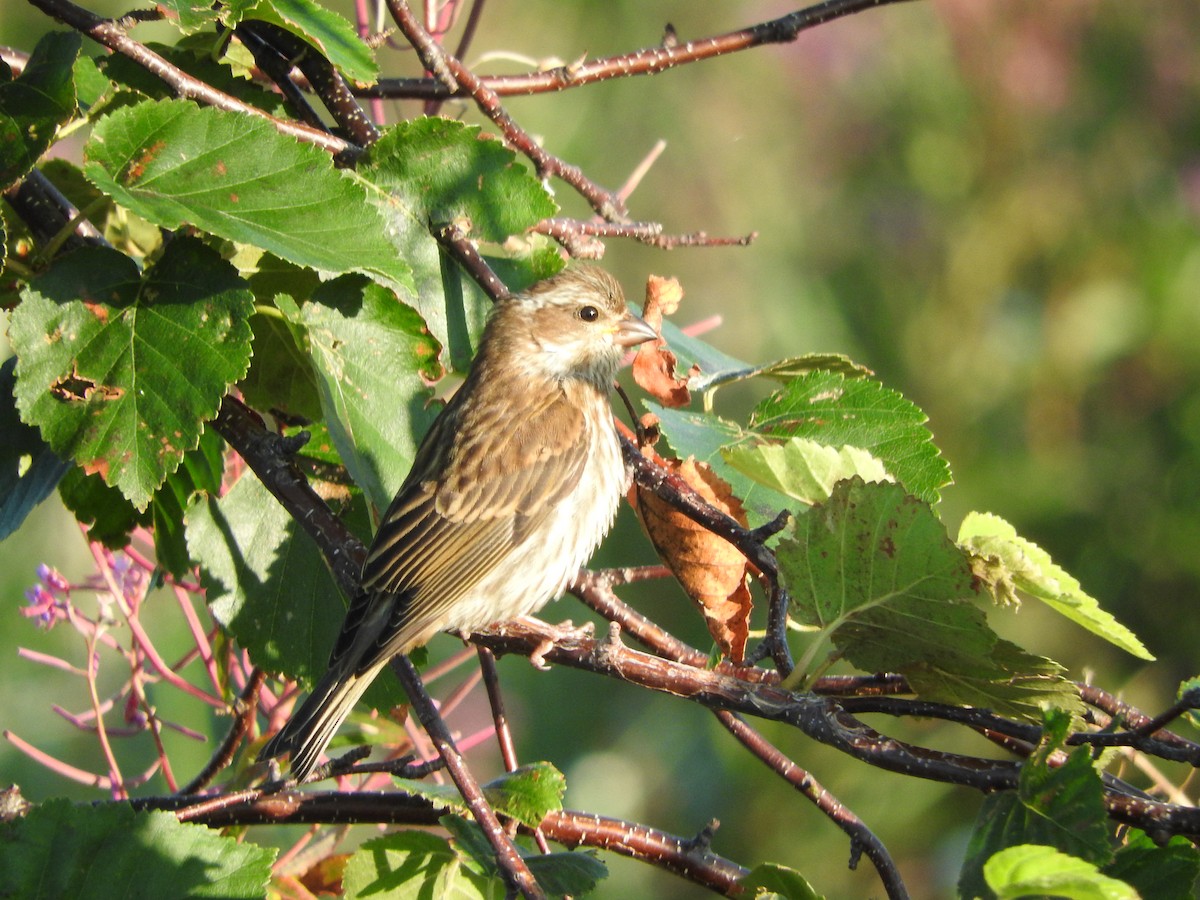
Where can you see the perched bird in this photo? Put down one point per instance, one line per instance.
(514, 486)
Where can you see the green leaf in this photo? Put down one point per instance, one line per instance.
(804, 469)
(1191, 687)
(832, 409)
(560, 874)
(91, 85)
(854, 416)
(573, 874)
(281, 376)
(106, 512)
(1007, 561)
(1016, 682)
(706, 436)
(331, 34)
(1163, 873)
(874, 569)
(433, 171)
(1030, 870)
(33, 105)
(409, 865)
(528, 793)
(1060, 807)
(119, 369)
(58, 850)
(235, 176)
(373, 357)
(190, 15)
(770, 880)
(29, 470)
(267, 585)
(200, 474)
(784, 370)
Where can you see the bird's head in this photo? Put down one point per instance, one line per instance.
(573, 325)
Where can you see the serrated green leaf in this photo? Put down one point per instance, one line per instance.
(34, 104)
(528, 793)
(433, 171)
(1060, 807)
(53, 852)
(29, 470)
(559, 874)
(832, 409)
(373, 357)
(331, 34)
(281, 376)
(874, 569)
(119, 369)
(107, 513)
(234, 175)
(874, 572)
(1011, 561)
(267, 585)
(803, 469)
(1031, 870)
(110, 517)
(190, 15)
(731, 371)
(573, 874)
(1015, 683)
(409, 865)
(1162, 873)
(770, 880)
(91, 86)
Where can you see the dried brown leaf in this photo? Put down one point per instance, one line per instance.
(654, 364)
(712, 571)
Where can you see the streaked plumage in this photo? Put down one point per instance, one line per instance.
(510, 492)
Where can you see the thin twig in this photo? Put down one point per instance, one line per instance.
(648, 61)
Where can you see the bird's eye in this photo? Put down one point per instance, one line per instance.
(589, 313)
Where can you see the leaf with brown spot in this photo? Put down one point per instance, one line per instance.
(123, 385)
(711, 570)
(654, 364)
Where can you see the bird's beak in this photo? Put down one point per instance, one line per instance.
(633, 330)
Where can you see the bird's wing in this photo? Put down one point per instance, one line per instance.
(480, 483)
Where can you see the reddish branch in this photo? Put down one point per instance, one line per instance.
(570, 828)
(649, 61)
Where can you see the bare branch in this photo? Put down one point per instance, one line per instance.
(649, 61)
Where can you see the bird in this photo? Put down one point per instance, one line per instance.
(511, 490)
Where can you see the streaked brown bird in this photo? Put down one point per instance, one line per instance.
(514, 486)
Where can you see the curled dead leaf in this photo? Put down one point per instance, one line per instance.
(654, 364)
(712, 571)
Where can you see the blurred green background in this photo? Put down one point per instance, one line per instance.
(991, 203)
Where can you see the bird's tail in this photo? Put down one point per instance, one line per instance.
(313, 725)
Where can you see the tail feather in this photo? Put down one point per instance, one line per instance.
(314, 724)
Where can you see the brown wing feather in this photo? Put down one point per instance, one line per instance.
(467, 502)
